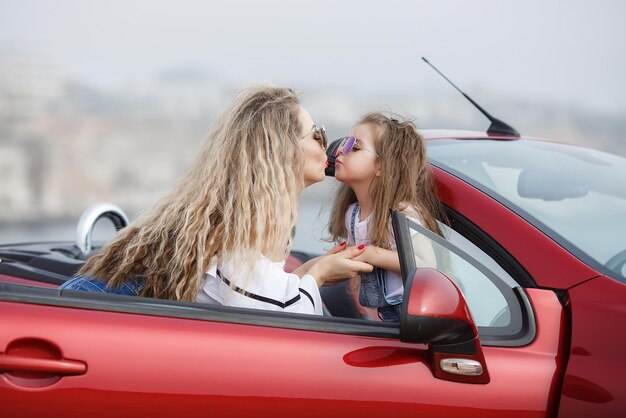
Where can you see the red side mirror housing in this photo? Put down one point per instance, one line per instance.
(434, 312)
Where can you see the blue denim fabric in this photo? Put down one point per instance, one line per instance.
(371, 290)
(91, 284)
(390, 313)
(372, 294)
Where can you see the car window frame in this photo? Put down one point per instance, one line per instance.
(483, 241)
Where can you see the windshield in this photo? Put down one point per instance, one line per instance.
(577, 196)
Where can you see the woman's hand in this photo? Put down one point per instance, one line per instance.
(338, 265)
(304, 268)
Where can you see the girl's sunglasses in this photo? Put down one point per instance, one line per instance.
(319, 134)
(348, 144)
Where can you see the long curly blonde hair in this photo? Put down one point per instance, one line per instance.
(239, 197)
(406, 182)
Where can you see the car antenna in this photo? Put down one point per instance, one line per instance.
(497, 127)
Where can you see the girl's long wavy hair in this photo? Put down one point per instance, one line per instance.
(405, 182)
(239, 197)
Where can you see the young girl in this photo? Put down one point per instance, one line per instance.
(383, 166)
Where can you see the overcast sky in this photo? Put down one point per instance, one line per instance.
(567, 52)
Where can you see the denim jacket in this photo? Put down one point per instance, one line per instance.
(89, 283)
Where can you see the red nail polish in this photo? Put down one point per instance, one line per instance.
(361, 246)
(343, 244)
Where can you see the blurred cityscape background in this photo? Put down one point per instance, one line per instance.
(110, 103)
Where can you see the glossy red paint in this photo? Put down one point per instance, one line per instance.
(556, 268)
(545, 356)
(594, 384)
(431, 292)
(242, 370)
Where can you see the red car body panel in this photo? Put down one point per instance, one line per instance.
(223, 369)
(557, 268)
(594, 383)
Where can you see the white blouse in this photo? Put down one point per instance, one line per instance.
(267, 287)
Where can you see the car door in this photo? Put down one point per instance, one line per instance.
(75, 354)
(523, 332)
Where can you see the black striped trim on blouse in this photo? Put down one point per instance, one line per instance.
(308, 295)
(254, 296)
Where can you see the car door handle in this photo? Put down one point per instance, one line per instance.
(13, 363)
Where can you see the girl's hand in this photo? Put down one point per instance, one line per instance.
(366, 255)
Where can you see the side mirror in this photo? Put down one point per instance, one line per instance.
(435, 313)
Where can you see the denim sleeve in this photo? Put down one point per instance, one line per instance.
(88, 283)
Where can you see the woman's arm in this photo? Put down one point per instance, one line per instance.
(303, 268)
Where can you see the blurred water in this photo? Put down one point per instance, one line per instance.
(315, 204)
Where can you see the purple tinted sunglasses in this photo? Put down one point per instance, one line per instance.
(348, 144)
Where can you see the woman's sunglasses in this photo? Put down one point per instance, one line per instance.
(319, 134)
(348, 144)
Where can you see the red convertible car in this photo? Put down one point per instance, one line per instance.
(525, 315)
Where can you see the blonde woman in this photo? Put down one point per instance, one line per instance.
(223, 232)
